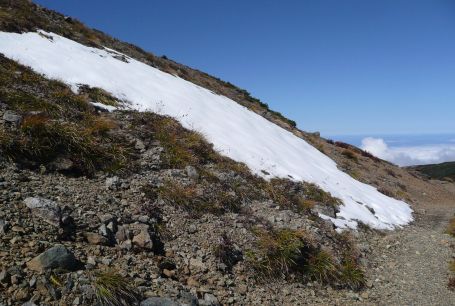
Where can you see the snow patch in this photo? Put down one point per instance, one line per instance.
(109, 108)
(234, 130)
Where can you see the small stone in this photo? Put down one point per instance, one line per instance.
(143, 240)
(365, 295)
(113, 183)
(106, 261)
(47, 210)
(211, 299)
(158, 301)
(104, 231)
(127, 245)
(197, 264)
(139, 145)
(22, 294)
(243, 289)
(5, 277)
(192, 173)
(192, 229)
(32, 282)
(12, 117)
(56, 257)
(96, 239)
(4, 226)
(168, 273)
(122, 234)
(91, 261)
(106, 218)
(192, 282)
(15, 279)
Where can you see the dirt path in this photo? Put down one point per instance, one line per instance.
(411, 265)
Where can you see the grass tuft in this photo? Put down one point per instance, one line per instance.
(279, 252)
(321, 267)
(112, 289)
(351, 275)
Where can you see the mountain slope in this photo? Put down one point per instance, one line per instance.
(441, 171)
(234, 130)
(150, 207)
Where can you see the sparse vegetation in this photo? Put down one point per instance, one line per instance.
(350, 154)
(98, 95)
(182, 147)
(299, 196)
(195, 201)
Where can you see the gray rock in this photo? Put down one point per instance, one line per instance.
(56, 257)
(122, 234)
(4, 226)
(126, 245)
(139, 145)
(188, 298)
(113, 183)
(104, 231)
(96, 239)
(192, 173)
(324, 209)
(5, 277)
(47, 210)
(159, 301)
(106, 218)
(210, 299)
(143, 240)
(61, 164)
(12, 117)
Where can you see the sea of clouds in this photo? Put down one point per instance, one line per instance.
(410, 155)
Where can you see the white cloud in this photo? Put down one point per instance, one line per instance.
(408, 156)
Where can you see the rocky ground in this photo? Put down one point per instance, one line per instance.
(91, 224)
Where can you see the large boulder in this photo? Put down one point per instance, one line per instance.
(56, 257)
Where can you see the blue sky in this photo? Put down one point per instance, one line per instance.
(339, 67)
